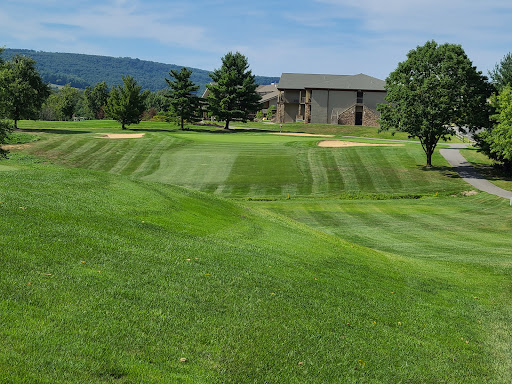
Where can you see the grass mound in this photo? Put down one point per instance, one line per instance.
(110, 279)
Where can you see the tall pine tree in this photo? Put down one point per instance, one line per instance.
(182, 96)
(232, 95)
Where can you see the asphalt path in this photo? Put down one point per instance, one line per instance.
(469, 173)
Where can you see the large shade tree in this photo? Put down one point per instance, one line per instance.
(126, 104)
(182, 95)
(435, 89)
(23, 90)
(232, 95)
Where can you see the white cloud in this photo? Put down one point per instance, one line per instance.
(130, 19)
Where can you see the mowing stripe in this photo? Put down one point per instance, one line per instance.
(105, 159)
(151, 163)
(125, 162)
(385, 175)
(66, 147)
(334, 176)
(347, 170)
(303, 162)
(194, 166)
(318, 171)
(363, 177)
(46, 145)
(82, 156)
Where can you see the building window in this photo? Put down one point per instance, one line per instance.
(359, 97)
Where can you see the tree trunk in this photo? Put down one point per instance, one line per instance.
(181, 120)
(122, 126)
(227, 125)
(15, 124)
(429, 158)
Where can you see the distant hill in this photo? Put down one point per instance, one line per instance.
(81, 70)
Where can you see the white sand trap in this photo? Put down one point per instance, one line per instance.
(342, 144)
(299, 134)
(121, 135)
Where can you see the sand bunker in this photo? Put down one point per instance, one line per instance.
(342, 144)
(121, 135)
(299, 134)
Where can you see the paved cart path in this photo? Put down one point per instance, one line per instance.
(469, 173)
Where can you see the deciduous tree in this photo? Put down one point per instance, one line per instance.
(126, 104)
(5, 129)
(496, 142)
(23, 89)
(69, 98)
(435, 88)
(96, 99)
(182, 95)
(5, 126)
(232, 95)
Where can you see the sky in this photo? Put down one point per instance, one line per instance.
(341, 37)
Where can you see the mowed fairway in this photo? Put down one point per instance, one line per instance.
(375, 270)
(255, 165)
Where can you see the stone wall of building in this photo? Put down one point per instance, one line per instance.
(348, 117)
(370, 117)
(280, 112)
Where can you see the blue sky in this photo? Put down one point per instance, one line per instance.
(307, 36)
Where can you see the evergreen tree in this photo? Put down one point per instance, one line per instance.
(501, 75)
(232, 95)
(182, 96)
(126, 104)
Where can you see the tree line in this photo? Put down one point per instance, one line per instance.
(24, 95)
(431, 94)
(81, 70)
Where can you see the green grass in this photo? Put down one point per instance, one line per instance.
(96, 287)
(112, 274)
(330, 129)
(252, 165)
(325, 129)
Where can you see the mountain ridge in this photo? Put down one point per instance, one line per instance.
(81, 70)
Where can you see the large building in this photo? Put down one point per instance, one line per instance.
(329, 99)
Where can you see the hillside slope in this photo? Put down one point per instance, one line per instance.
(107, 278)
(82, 70)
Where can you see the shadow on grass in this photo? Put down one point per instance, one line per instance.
(493, 172)
(240, 130)
(151, 130)
(54, 131)
(444, 170)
